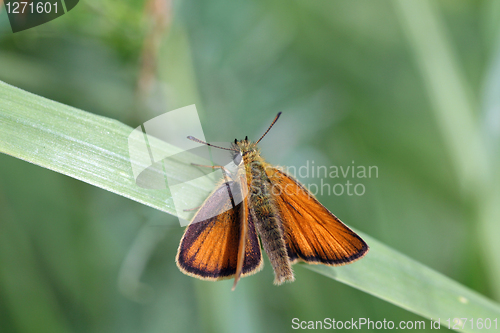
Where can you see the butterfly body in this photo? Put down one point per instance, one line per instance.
(263, 211)
(262, 206)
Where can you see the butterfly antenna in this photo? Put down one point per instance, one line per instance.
(192, 138)
(274, 121)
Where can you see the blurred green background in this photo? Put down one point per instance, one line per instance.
(361, 80)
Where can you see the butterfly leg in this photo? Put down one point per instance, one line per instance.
(228, 177)
(226, 171)
(191, 209)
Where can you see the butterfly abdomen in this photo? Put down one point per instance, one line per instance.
(267, 221)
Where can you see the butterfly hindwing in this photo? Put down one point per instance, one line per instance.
(209, 248)
(312, 233)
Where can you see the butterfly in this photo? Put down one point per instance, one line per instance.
(260, 207)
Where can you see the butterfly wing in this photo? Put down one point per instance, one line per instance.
(312, 233)
(209, 249)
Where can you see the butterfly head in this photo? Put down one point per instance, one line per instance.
(247, 151)
(243, 150)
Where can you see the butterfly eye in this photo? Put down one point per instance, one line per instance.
(237, 159)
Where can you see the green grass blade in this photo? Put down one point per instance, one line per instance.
(81, 145)
(94, 149)
(400, 280)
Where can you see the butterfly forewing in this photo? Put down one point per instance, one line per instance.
(312, 233)
(209, 249)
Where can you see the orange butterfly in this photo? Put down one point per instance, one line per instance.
(262, 205)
